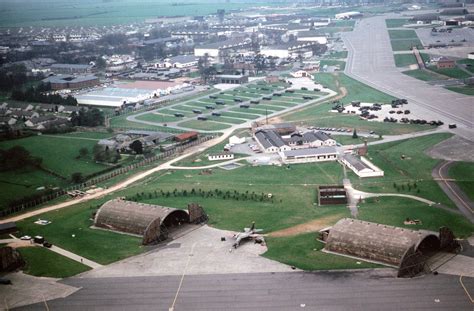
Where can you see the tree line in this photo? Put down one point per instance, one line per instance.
(37, 95)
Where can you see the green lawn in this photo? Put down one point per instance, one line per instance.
(393, 211)
(204, 125)
(405, 44)
(304, 252)
(329, 62)
(339, 54)
(45, 263)
(467, 64)
(122, 122)
(463, 172)
(396, 22)
(158, 118)
(403, 60)
(348, 140)
(466, 90)
(101, 246)
(242, 115)
(48, 147)
(226, 120)
(424, 75)
(455, 72)
(403, 174)
(402, 34)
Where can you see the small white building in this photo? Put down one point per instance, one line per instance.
(362, 167)
(300, 74)
(181, 61)
(309, 155)
(235, 140)
(311, 36)
(220, 156)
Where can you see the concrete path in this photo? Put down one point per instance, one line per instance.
(75, 257)
(27, 289)
(201, 252)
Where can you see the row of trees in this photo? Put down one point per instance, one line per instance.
(17, 157)
(90, 117)
(37, 95)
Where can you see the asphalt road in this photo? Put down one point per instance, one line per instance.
(268, 291)
(370, 61)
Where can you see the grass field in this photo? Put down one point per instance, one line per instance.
(393, 211)
(329, 62)
(467, 63)
(204, 125)
(466, 90)
(304, 252)
(396, 22)
(455, 72)
(402, 34)
(101, 246)
(424, 75)
(348, 140)
(45, 263)
(463, 172)
(416, 168)
(339, 54)
(403, 60)
(405, 44)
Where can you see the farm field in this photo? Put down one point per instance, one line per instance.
(89, 12)
(407, 169)
(45, 263)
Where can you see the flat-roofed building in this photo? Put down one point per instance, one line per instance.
(308, 155)
(362, 167)
(61, 82)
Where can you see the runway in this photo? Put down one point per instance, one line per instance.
(370, 61)
(364, 290)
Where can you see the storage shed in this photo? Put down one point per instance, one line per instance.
(400, 248)
(152, 222)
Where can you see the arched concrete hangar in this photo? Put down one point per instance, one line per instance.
(404, 249)
(152, 222)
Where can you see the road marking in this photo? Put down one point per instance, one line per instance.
(182, 278)
(465, 289)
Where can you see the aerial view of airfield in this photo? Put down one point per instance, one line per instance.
(236, 155)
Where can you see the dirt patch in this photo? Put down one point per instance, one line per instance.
(455, 148)
(21, 243)
(311, 226)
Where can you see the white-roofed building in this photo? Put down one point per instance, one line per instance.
(309, 155)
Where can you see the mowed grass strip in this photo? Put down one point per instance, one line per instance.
(42, 262)
(226, 120)
(406, 44)
(396, 22)
(204, 125)
(463, 173)
(158, 118)
(402, 34)
(242, 115)
(172, 111)
(424, 75)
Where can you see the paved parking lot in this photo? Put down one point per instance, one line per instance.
(198, 252)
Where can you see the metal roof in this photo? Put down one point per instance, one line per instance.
(355, 162)
(269, 139)
(310, 152)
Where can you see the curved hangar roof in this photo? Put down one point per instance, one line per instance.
(397, 247)
(138, 218)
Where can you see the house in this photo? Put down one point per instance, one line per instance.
(444, 63)
(181, 61)
(311, 36)
(214, 49)
(220, 156)
(308, 155)
(7, 120)
(272, 79)
(71, 68)
(188, 136)
(62, 82)
(361, 166)
(232, 79)
(270, 141)
(309, 139)
(235, 140)
(300, 74)
(24, 114)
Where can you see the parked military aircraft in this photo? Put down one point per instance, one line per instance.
(248, 233)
